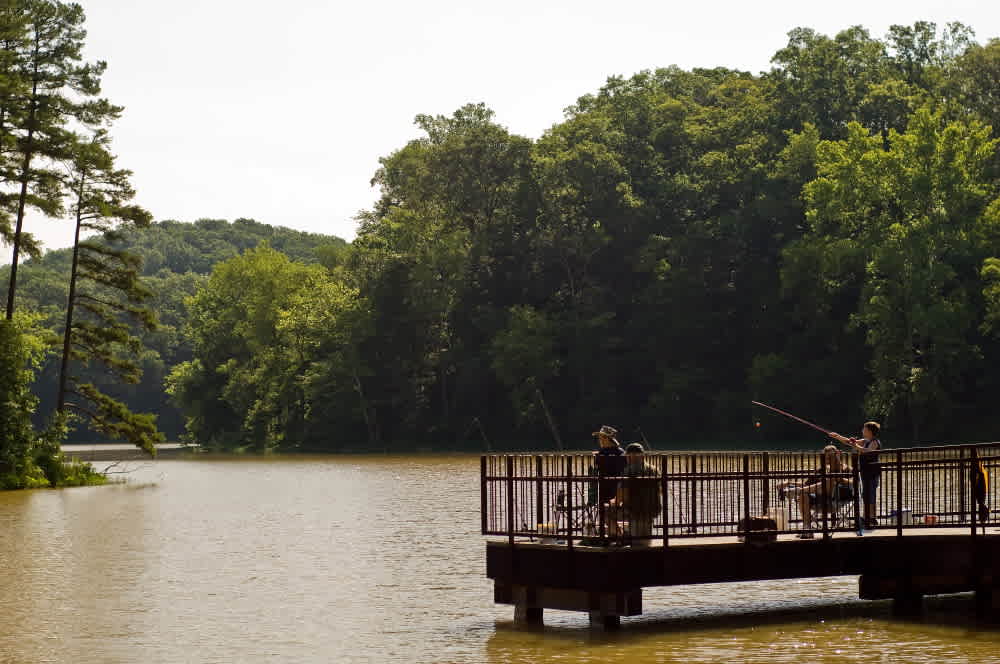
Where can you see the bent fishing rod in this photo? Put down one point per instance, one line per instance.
(797, 419)
(857, 518)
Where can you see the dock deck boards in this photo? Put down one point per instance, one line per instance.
(709, 540)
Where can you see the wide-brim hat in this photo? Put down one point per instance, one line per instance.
(606, 430)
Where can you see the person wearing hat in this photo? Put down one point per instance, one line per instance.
(610, 462)
(638, 499)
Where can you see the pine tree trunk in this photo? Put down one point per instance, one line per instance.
(68, 332)
(23, 196)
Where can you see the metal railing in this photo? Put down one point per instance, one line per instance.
(567, 499)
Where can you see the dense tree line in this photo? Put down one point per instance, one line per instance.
(821, 235)
(177, 258)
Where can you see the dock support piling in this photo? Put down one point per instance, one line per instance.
(528, 615)
(988, 603)
(908, 604)
(603, 621)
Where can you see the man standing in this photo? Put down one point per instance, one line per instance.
(610, 462)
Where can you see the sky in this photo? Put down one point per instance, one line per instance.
(279, 111)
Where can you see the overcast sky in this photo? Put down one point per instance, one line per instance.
(279, 111)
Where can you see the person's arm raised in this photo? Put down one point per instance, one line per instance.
(853, 442)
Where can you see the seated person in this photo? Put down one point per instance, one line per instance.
(809, 492)
(638, 499)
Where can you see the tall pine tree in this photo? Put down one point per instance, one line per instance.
(60, 90)
(13, 87)
(106, 297)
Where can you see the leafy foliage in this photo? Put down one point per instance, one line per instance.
(176, 260)
(823, 235)
(21, 351)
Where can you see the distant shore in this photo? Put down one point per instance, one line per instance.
(112, 452)
(124, 452)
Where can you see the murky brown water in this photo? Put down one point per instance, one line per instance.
(373, 559)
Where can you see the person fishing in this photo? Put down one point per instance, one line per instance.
(609, 460)
(868, 447)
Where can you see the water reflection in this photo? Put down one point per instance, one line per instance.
(851, 631)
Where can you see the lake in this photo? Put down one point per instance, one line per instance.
(373, 559)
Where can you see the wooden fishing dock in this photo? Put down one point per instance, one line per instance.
(554, 543)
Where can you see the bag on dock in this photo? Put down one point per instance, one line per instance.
(761, 529)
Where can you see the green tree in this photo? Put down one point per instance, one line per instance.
(432, 259)
(21, 352)
(525, 358)
(912, 211)
(13, 88)
(235, 391)
(61, 90)
(822, 80)
(104, 285)
(975, 82)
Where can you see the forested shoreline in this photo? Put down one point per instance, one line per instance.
(824, 236)
(177, 259)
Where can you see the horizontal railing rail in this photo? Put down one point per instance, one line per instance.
(579, 499)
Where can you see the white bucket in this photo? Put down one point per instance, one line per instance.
(780, 517)
(547, 533)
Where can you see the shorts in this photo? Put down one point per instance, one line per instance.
(869, 487)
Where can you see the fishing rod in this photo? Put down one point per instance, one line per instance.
(797, 419)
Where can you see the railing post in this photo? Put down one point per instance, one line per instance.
(569, 501)
(765, 485)
(746, 499)
(510, 500)
(963, 478)
(899, 493)
(539, 493)
(482, 492)
(601, 513)
(693, 528)
(856, 478)
(973, 516)
(664, 496)
(824, 495)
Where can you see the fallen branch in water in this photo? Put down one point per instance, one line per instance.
(108, 471)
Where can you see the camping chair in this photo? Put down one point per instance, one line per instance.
(840, 507)
(580, 518)
(584, 517)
